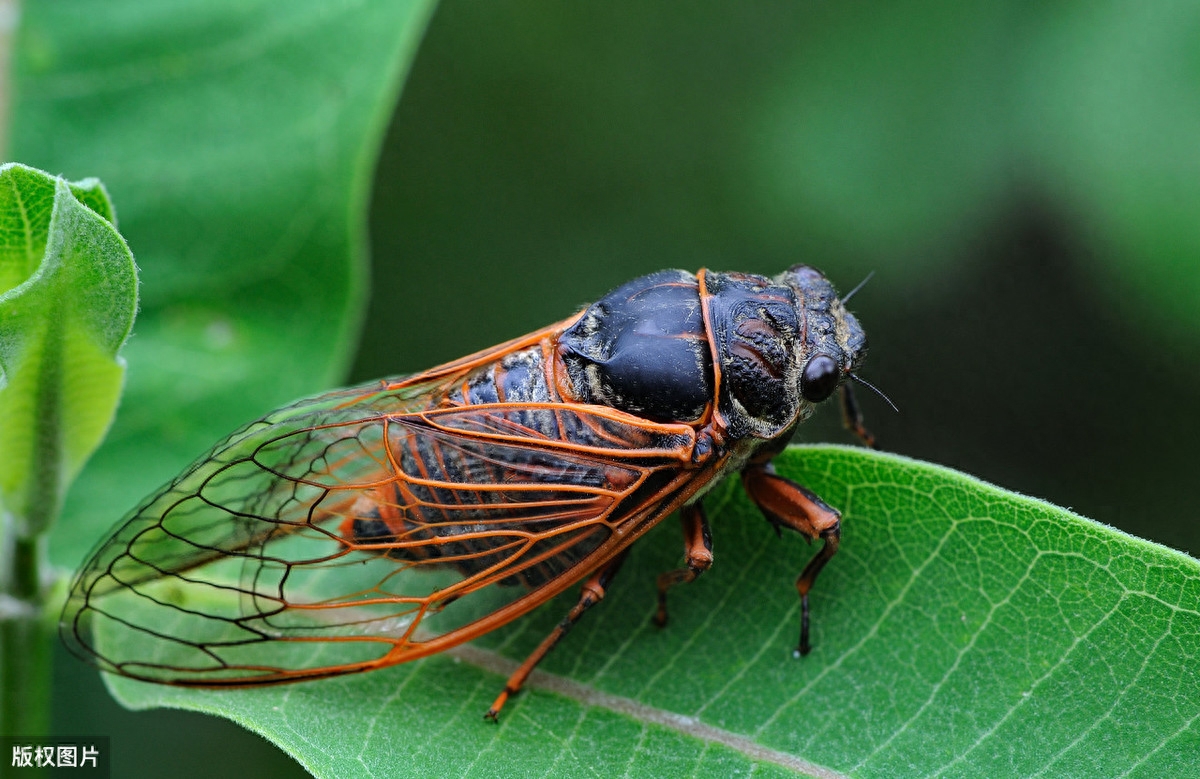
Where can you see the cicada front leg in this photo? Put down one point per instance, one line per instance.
(698, 549)
(852, 417)
(787, 504)
(593, 592)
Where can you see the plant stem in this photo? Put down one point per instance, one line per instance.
(26, 638)
(26, 571)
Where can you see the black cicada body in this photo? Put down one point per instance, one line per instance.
(374, 525)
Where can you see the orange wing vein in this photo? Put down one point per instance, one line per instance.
(361, 528)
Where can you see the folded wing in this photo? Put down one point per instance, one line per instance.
(360, 529)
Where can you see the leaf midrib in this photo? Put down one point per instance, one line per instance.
(689, 726)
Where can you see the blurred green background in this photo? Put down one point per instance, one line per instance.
(1023, 179)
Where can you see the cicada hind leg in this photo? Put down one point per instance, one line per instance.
(593, 592)
(789, 505)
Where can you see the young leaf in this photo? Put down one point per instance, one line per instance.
(68, 295)
(961, 631)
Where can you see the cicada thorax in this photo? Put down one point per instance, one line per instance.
(643, 349)
(756, 333)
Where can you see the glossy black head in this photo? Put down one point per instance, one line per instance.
(782, 345)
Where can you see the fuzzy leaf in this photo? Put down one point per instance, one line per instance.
(68, 296)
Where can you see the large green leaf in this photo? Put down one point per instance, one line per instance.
(68, 294)
(240, 138)
(962, 631)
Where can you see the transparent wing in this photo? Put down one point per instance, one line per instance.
(360, 529)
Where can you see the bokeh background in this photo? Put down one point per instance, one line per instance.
(1022, 179)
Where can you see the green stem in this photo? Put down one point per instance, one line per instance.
(26, 582)
(26, 639)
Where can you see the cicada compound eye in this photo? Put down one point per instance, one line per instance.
(820, 378)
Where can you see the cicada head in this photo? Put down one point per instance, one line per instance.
(782, 345)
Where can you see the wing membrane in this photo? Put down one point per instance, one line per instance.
(361, 528)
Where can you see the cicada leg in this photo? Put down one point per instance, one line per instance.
(787, 504)
(698, 548)
(852, 417)
(593, 592)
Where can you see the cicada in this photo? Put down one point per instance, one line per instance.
(378, 524)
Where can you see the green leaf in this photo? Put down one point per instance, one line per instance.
(68, 296)
(240, 138)
(961, 631)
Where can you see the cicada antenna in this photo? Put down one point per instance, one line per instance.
(853, 292)
(871, 386)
